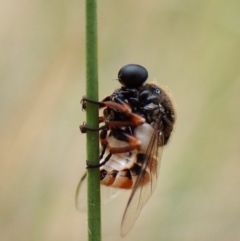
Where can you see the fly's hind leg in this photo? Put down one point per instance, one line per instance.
(104, 143)
(89, 165)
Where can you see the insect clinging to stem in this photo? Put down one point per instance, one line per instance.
(138, 121)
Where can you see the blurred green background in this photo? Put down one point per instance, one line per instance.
(192, 47)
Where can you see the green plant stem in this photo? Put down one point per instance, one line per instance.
(94, 208)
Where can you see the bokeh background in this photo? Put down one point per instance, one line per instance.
(190, 47)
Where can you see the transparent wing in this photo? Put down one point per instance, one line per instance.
(146, 180)
(107, 194)
(81, 194)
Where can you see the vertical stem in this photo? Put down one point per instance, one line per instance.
(94, 208)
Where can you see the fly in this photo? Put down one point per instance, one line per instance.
(138, 120)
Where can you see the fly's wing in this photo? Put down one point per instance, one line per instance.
(107, 193)
(146, 180)
(81, 194)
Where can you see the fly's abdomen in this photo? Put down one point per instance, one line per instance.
(116, 172)
(123, 173)
(122, 169)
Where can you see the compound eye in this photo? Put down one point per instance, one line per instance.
(132, 75)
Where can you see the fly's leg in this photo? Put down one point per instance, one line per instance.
(83, 128)
(110, 104)
(89, 165)
(132, 120)
(133, 143)
(104, 143)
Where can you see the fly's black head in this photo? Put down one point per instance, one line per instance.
(132, 75)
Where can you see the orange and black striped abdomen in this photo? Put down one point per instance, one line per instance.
(122, 173)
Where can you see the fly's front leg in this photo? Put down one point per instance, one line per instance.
(84, 101)
(107, 103)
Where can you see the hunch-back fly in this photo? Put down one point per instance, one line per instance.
(138, 120)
